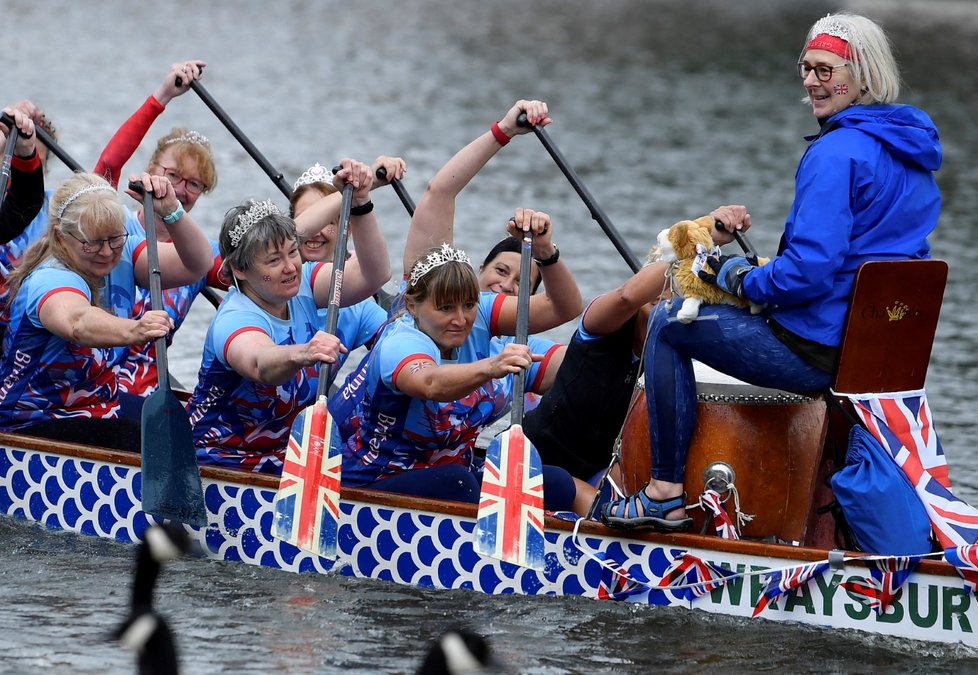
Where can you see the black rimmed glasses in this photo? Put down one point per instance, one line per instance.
(823, 73)
(95, 245)
(194, 187)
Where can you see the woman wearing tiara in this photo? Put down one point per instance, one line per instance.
(265, 345)
(71, 312)
(864, 190)
(315, 197)
(184, 157)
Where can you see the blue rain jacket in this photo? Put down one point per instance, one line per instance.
(864, 190)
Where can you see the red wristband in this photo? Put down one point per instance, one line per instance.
(499, 134)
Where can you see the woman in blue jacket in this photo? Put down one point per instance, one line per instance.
(864, 190)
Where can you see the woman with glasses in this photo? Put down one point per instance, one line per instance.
(864, 190)
(71, 312)
(184, 157)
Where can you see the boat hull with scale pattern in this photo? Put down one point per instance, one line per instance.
(427, 543)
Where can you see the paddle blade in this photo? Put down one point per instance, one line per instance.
(510, 520)
(307, 505)
(171, 486)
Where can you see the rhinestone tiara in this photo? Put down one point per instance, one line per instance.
(832, 25)
(435, 259)
(256, 211)
(317, 173)
(78, 193)
(190, 137)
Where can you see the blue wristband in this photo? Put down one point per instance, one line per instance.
(177, 214)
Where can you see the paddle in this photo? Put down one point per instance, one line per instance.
(307, 504)
(171, 486)
(249, 147)
(509, 524)
(399, 188)
(596, 212)
(58, 151)
(8, 154)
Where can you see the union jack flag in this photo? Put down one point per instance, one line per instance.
(307, 505)
(965, 561)
(887, 577)
(617, 582)
(722, 525)
(901, 422)
(780, 582)
(510, 518)
(687, 569)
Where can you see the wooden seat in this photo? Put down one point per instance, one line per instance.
(783, 447)
(886, 346)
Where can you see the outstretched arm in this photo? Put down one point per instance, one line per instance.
(434, 218)
(123, 144)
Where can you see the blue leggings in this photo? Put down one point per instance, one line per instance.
(737, 343)
(458, 483)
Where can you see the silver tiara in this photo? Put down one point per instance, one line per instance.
(435, 259)
(190, 137)
(316, 173)
(832, 25)
(78, 193)
(247, 220)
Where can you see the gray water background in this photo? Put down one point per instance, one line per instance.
(666, 109)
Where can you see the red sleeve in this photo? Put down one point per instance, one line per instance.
(215, 277)
(125, 141)
(497, 305)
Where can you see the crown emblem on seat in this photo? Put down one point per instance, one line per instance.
(898, 311)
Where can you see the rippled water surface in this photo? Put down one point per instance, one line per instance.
(666, 109)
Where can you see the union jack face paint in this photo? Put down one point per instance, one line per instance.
(840, 89)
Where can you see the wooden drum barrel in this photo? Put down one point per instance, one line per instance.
(772, 439)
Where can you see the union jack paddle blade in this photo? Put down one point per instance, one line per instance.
(510, 519)
(307, 505)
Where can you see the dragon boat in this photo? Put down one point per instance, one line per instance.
(764, 452)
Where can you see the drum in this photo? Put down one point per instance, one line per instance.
(772, 439)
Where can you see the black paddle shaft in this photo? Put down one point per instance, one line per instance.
(596, 212)
(8, 155)
(249, 147)
(336, 276)
(749, 251)
(155, 283)
(522, 321)
(399, 188)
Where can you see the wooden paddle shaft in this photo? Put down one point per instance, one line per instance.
(336, 276)
(522, 321)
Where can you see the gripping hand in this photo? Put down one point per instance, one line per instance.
(727, 272)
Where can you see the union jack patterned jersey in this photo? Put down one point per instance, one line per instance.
(45, 377)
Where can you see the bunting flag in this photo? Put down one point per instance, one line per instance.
(687, 569)
(616, 582)
(722, 525)
(780, 582)
(901, 422)
(887, 577)
(965, 561)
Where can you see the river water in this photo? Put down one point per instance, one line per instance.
(666, 109)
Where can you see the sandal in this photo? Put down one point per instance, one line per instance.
(639, 511)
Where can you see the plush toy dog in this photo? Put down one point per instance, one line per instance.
(686, 246)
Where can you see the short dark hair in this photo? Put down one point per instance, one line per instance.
(511, 245)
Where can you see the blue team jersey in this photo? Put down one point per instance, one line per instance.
(244, 424)
(46, 377)
(389, 432)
